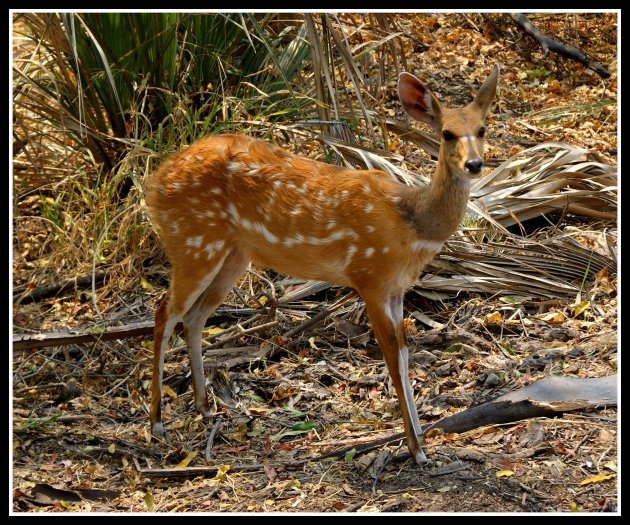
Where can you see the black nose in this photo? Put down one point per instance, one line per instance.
(474, 165)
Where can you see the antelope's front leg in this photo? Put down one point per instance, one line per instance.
(386, 315)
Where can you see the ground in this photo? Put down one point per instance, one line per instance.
(80, 411)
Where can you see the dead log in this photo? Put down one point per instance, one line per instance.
(549, 44)
(67, 337)
(548, 397)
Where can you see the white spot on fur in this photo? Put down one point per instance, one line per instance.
(385, 249)
(349, 232)
(366, 188)
(199, 158)
(222, 214)
(233, 212)
(277, 184)
(369, 207)
(330, 225)
(369, 252)
(253, 171)
(209, 213)
(369, 228)
(213, 248)
(194, 241)
(216, 191)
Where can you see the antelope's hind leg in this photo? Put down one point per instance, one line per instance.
(193, 291)
(195, 319)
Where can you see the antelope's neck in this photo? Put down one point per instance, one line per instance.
(436, 211)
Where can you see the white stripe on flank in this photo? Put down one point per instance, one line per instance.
(352, 249)
(261, 228)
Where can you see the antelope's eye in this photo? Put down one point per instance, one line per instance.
(447, 135)
(481, 133)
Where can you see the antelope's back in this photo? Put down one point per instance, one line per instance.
(298, 216)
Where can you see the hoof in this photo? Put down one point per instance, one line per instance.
(204, 409)
(421, 458)
(157, 431)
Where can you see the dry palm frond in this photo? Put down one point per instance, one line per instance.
(555, 266)
(546, 178)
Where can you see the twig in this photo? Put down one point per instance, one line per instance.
(247, 331)
(211, 435)
(321, 315)
(25, 389)
(192, 472)
(387, 461)
(548, 44)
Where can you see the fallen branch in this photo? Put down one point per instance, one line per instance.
(27, 341)
(192, 472)
(549, 44)
(44, 292)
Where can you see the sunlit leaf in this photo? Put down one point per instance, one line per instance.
(597, 479)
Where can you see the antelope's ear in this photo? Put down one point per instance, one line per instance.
(418, 101)
(487, 91)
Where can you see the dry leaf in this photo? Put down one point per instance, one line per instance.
(146, 284)
(185, 462)
(222, 471)
(581, 308)
(597, 479)
(553, 318)
(493, 318)
(169, 391)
